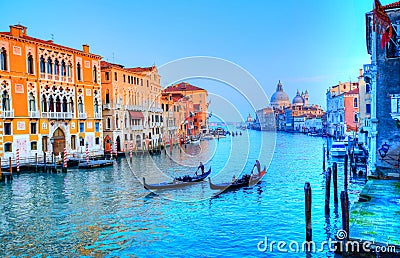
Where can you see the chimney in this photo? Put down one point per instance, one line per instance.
(85, 48)
(361, 72)
(18, 30)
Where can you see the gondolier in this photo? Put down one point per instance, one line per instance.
(201, 166)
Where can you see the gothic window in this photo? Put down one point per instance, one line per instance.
(44, 104)
(64, 105)
(29, 63)
(78, 72)
(49, 66)
(3, 59)
(94, 74)
(42, 65)
(116, 121)
(96, 106)
(63, 68)
(5, 101)
(58, 104)
(80, 105)
(71, 105)
(32, 102)
(56, 67)
(51, 104)
(69, 70)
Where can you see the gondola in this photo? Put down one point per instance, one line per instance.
(253, 180)
(198, 178)
(176, 183)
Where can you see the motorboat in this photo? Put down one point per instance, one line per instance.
(338, 149)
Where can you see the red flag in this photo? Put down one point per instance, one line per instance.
(382, 24)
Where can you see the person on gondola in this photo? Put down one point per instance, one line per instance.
(201, 166)
(258, 166)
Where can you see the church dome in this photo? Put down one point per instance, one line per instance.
(298, 100)
(280, 98)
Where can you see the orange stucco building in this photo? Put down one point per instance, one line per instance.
(197, 119)
(131, 107)
(50, 96)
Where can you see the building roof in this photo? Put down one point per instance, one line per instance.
(45, 42)
(141, 69)
(183, 86)
(354, 91)
(105, 64)
(392, 5)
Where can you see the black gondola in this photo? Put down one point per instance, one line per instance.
(198, 178)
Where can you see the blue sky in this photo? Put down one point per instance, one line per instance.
(306, 44)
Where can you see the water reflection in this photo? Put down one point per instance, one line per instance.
(107, 212)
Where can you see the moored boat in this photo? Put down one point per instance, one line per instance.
(338, 149)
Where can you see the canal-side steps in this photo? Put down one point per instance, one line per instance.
(376, 216)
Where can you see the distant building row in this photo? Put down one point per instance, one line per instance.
(295, 116)
(54, 97)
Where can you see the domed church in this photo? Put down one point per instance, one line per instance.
(280, 99)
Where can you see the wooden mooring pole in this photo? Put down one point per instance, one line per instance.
(344, 199)
(346, 161)
(307, 195)
(323, 157)
(1, 172)
(335, 193)
(327, 190)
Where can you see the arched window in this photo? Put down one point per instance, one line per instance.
(29, 63)
(96, 106)
(58, 104)
(64, 105)
(71, 105)
(44, 104)
(42, 65)
(3, 59)
(107, 96)
(51, 104)
(56, 67)
(32, 102)
(49, 66)
(78, 72)
(5, 101)
(108, 123)
(94, 74)
(63, 68)
(355, 102)
(126, 121)
(69, 70)
(80, 105)
(116, 121)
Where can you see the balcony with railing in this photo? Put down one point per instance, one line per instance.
(117, 106)
(137, 127)
(34, 114)
(137, 108)
(82, 115)
(57, 115)
(106, 106)
(7, 114)
(97, 115)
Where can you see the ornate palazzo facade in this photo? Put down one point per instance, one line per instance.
(50, 97)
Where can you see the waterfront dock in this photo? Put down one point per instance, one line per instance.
(375, 217)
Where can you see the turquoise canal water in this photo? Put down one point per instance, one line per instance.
(108, 212)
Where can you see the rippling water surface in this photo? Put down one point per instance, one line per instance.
(107, 211)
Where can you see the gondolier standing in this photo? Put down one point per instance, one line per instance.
(201, 166)
(258, 166)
